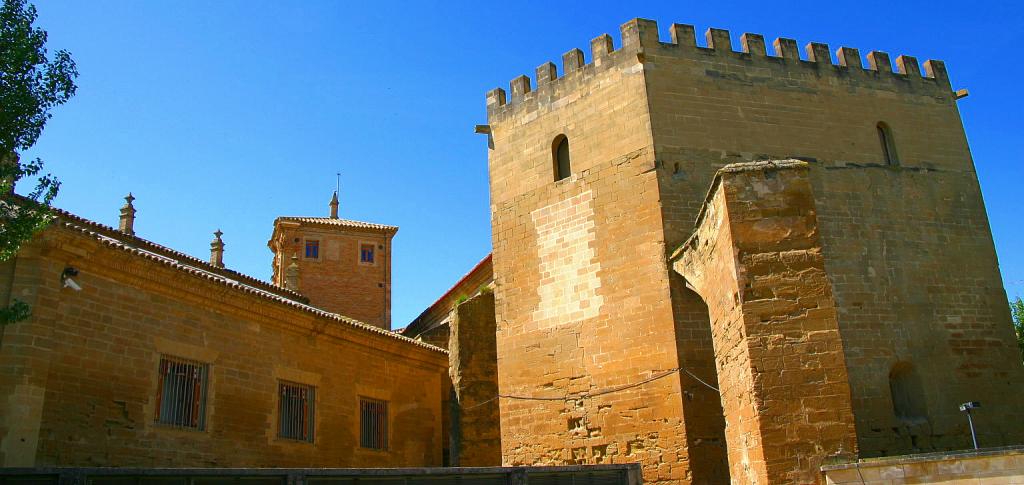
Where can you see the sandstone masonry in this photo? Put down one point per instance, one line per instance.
(882, 278)
(81, 381)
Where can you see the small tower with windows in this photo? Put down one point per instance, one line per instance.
(342, 266)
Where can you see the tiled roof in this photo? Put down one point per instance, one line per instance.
(110, 237)
(327, 221)
(416, 327)
(150, 246)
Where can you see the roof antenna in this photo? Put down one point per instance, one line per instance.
(338, 187)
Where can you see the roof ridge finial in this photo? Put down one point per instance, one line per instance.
(127, 221)
(291, 274)
(217, 249)
(334, 205)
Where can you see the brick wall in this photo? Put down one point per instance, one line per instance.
(337, 281)
(79, 379)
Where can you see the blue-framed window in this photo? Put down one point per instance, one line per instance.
(312, 249)
(366, 253)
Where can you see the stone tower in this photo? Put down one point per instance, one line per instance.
(342, 266)
(597, 177)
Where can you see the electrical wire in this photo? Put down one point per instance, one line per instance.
(586, 395)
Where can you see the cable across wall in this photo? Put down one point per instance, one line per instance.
(589, 394)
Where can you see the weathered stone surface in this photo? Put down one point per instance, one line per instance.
(985, 466)
(79, 380)
(432, 326)
(902, 251)
(473, 357)
(756, 258)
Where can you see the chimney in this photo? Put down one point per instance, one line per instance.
(127, 223)
(334, 205)
(291, 274)
(217, 250)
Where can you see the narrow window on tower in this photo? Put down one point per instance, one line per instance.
(181, 393)
(312, 249)
(887, 144)
(366, 255)
(296, 411)
(560, 154)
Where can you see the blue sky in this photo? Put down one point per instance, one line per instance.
(227, 114)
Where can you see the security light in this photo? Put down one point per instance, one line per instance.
(65, 278)
(970, 405)
(966, 408)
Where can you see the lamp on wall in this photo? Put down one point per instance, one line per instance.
(66, 278)
(966, 408)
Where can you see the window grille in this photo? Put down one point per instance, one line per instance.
(373, 424)
(296, 416)
(366, 253)
(312, 249)
(181, 396)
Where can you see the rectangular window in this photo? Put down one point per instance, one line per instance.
(296, 416)
(181, 393)
(312, 249)
(366, 253)
(373, 424)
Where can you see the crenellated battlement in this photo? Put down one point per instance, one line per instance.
(639, 38)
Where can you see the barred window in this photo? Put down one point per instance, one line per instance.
(373, 424)
(181, 393)
(296, 416)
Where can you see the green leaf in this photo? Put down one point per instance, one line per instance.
(31, 84)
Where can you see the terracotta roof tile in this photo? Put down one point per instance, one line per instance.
(417, 326)
(145, 244)
(327, 221)
(110, 237)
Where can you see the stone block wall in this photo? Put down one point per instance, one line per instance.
(755, 258)
(432, 325)
(893, 234)
(999, 466)
(562, 342)
(473, 356)
(79, 380)
(702, 403)
(581, 282)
